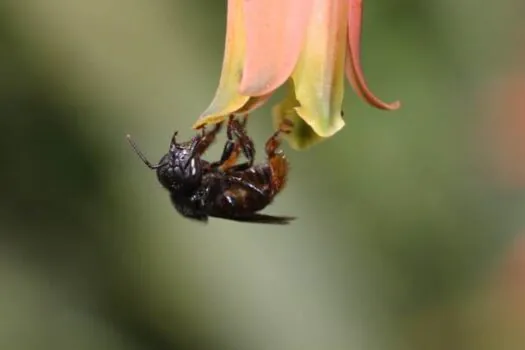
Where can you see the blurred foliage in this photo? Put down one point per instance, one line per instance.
(401, 226)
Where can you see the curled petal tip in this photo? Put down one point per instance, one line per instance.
(395, 105)
(357, 80)
(374, 101)
(354, 71)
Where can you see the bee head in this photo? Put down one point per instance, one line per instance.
(179, 170)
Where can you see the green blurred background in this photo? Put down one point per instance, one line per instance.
(403, 235)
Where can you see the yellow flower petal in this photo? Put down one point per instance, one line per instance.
(227, 99)
(319, 74)
(253, 103)
(302, 135)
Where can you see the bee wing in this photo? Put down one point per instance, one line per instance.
(263, 219)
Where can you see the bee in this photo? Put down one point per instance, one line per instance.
(200, 189)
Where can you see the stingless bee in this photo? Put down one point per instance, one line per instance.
(224, 189)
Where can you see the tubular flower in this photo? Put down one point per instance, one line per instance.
(308, 43)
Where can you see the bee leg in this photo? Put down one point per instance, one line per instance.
(201, 143)
(277, 159)
(245, 143)
(231, 150)
(229, 157)
(247, 146)
(207, 138)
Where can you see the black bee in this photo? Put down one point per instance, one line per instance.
(200, 189)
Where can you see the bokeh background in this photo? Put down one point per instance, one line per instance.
(411, 225)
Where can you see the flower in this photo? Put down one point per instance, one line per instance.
(307, 43)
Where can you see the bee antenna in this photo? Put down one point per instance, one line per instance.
(141, 155)
(173, 141)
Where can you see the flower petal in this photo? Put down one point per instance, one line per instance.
(253, 103)
(319, 74)
(275, 32)
(227, 98)
(302, 135)
(354, 71)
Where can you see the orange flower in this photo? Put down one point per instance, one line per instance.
(310, 44)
